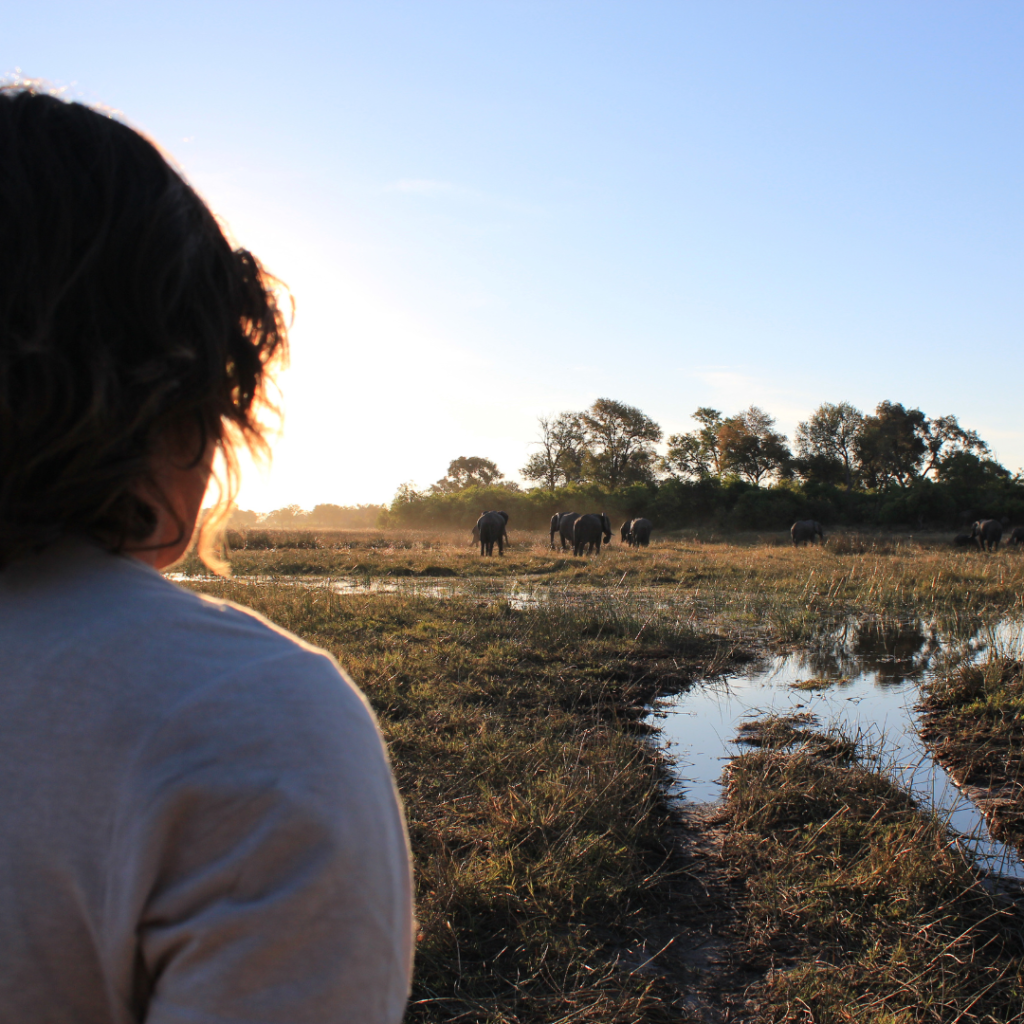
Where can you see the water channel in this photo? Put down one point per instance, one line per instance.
(867, 675)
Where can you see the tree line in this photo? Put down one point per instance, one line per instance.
(612, 444)
(895, 466)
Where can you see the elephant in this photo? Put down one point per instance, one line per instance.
(1017, 536)
(961, 540)
(490, 529)
(587, 532)
(639, 534)
(624, 531)
(988, 533)
(561, 523)
(805, 530)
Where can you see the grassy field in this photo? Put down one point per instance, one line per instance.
(544, 850)
(555, 883)
(760, 579)
(858, 907)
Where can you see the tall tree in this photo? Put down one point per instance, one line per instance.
(891, 445)
(562, 448)
(944, 437)
(466, 472)
(828, 439)
(695, 455)
(751, 447)
(620, 442)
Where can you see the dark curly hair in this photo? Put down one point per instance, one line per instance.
(126, 318)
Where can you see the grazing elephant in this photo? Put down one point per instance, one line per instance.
(961, 540)
(1017, 536)
(588, 530)
(640, 533)
(805, 530)
(988, 533)
(561, 523)
(490, 530)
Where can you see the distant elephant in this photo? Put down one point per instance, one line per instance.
(624, 531)
(988, 533)
(805, 530)
(1017, 537)
(640, 533)
(588, 530)
(561, 523)
(961, 540)
(490, 530)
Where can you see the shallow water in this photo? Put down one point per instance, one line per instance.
(872, 669)
(871, 673)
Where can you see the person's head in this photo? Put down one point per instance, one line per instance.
(134, 342)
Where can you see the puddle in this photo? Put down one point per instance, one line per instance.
(864, 677)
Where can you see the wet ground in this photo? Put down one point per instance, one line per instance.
(862, 676)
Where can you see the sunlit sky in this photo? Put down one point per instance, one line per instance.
(493, 210)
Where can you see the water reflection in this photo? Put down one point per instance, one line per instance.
(893, 651)
(862, 676)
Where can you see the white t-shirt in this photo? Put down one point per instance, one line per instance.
(198, 824)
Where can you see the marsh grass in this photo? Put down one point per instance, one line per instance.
(783, 591)
(974, 722)
(539, 828)
(547, 862)
(857, 903)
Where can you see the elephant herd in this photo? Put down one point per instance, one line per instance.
(589, 530)
(985, 534)
(581, 531)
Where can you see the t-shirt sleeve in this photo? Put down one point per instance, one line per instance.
(269, 858)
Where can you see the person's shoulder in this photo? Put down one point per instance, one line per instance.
(207, 629)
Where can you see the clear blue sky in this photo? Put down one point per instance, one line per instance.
(490, 210)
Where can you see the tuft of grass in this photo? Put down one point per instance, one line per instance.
(540, 831)
(858, 906)
(974, 723)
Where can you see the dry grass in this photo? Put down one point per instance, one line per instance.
(857, 904)
(545, 853)
(755, 583)
(541, 836)
(974, 722)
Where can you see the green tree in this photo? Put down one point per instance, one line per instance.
(825, 443)
(967, 472)
(695, 455)
(620, 444)
(562, 450)
(944, 437)
(471, 471)
(891, 445)
(751, 447)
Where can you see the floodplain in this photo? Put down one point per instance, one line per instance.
(570, 868)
